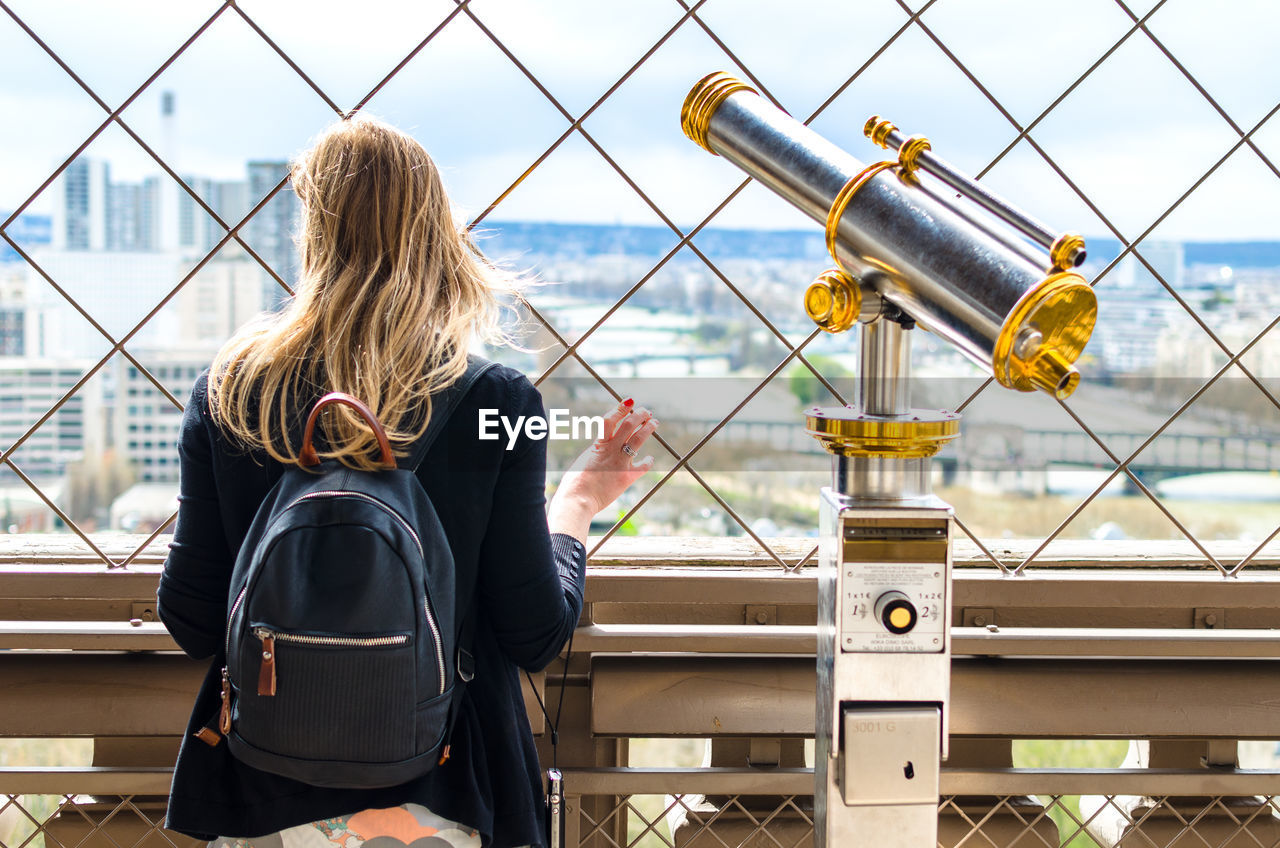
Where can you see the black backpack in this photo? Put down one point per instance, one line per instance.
(346, 656)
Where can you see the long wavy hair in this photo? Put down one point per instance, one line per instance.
(390, 294)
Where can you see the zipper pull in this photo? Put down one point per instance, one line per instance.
(224, 715)
(444, 755)
(267, 674)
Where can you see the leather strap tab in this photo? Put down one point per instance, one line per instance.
(267, 672)
(208, 736)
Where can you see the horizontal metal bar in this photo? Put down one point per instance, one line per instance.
(666, 571)
(67, 558)
(990, 697)
(1121, 584)
(91, 780)
(694, 638)
(646, 552)
(96, 694)
(1156, 782)
(85, 636)
(954, 781)
(733, 781)
(700, 781)
(1115, 642)
(1098, 642)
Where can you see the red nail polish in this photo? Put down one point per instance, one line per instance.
(629, 402)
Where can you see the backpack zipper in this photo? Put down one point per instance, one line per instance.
(231, 616)
(339, 493)
(435, 638)
(267, 674)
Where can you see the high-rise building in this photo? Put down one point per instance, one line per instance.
(270, 232)
(229, 199)
(146, 424)
(29, 387)
(80, 200)
(222, 296)
(13, 310)
(1139, 311)
(90, 212)
(163, 189)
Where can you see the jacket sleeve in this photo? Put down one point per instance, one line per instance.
(531, 582)
(192, 596)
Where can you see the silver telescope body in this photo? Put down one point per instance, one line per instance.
(962, 269)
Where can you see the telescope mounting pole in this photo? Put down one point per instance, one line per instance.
(884, 588)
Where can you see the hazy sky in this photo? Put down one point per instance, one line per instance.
(1134, 136)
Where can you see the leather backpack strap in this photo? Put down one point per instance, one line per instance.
(444, 403)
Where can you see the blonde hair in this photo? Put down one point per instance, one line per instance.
(389, 296)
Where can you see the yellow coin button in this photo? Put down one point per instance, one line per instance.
(900, 618)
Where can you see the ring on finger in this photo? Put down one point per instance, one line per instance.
(629, 451)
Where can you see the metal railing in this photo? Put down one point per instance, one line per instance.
(703, 639)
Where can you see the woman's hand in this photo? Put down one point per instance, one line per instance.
(603, 471)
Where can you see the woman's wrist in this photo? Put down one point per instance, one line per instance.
(571, 514)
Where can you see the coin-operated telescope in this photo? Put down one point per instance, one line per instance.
(914, 242)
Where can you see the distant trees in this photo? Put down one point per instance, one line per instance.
(807, 388)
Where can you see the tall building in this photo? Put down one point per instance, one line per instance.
(80, 201)
(229, 199)
(146, 424)
(164, 190)
(1138, 309)
(219, 299)
(29, 387)
(93, 213)
(13, 310)
(270, 232)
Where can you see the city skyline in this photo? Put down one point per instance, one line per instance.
(256, 107)
(1171, 101)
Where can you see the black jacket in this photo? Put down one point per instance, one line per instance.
(528, 596)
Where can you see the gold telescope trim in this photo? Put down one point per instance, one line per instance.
(1064, 252)
(702, 102)
(877, 129)
(846, 432)
(833, 301)
(1044, 334)
(909, 152)
(841, 203)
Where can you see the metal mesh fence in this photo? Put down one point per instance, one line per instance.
(1103, 821)
(1172, 418)
(69, 820)
(737, 821)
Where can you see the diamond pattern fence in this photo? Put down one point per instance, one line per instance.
(636, 821)
(559, 90)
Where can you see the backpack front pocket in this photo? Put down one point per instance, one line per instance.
(308, 685)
